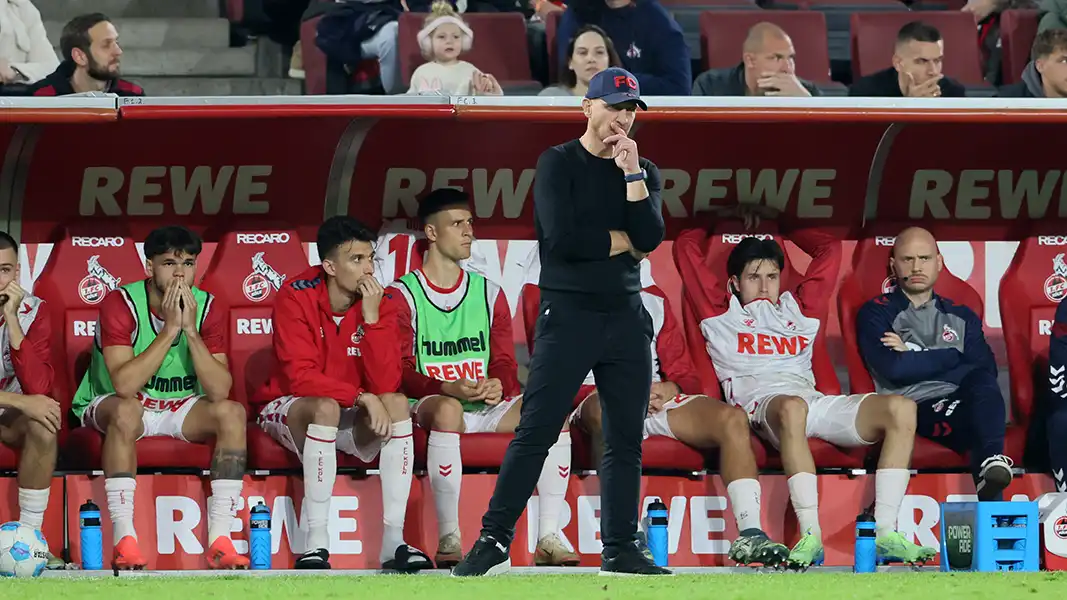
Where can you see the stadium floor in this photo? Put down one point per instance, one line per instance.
(581, 584)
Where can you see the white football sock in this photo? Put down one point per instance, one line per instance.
(445, 464)
(120, 504)
(552, 485)
(395, 465)
(745, 500)
(32, 504)
(320, 473)
(890, 485)
(222, 508)
(804, 492)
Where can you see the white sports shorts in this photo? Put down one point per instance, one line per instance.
(830, 418)
(163, 417)
(485, 420)
(274, 416)
(656, 424)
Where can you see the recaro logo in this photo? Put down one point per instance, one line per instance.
(1052, 240)
(263, 238)
(735, 238)
(97, 242)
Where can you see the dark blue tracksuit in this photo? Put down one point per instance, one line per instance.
(950, 371)
(1057, 375)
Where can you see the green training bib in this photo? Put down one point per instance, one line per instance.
(452, 344)
(176, 377)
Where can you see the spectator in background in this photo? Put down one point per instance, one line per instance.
(589, 52)
(26, 55)
(92, 60)
(987, 15)
(768, 68)
(442, 39)
(350, 32)
(916, 70)
(649, 40)
(1046, 75)
(1053, 15)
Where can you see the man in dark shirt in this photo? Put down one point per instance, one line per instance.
(597, 213)
(916, 70)
(768, 68)
(91, 58)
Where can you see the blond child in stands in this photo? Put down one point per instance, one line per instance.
(443, 38)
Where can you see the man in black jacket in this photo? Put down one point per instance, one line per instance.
(92, 61)
(1046, 75)
(916, 70)
(597, 213)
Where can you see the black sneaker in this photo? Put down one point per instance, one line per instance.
(994, 476)
(487, 557)
(630, 560)
(314, 559)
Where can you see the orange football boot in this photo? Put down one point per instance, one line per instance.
(127, 556)
(221, 555)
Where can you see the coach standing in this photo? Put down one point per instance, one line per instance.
(596, 213)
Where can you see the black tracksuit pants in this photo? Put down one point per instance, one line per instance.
(572, 337)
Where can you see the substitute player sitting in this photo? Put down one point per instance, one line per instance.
(337, 350)
(29, 417)
(159, 369)
(760, 341)
(677, 410)
(460, 371)
(931, 349)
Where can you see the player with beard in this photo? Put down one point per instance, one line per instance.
(91, 61)
(760, 340)
(926, 347)
(461, 374)
(159, 369)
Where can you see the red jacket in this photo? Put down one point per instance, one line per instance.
(317, 357)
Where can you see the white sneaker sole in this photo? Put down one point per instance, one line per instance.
(497, 569)
(617, 574)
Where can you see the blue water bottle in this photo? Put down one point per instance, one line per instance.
(92, 542)
(657, 532)
(259, 544)
(866, 555)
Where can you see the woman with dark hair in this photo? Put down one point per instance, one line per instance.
(589, 52)
(649, 41)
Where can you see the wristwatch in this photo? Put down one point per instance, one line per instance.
(632, 177)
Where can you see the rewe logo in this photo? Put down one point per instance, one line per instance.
(84, 328)
(473, 369)
(1052, 240)
(255, 326)
(263, 238)
(97, 242)
(883, 240)
(765, 344)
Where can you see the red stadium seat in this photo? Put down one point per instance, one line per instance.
(499, 48)
(870, 278)
(84, 266)
(874, 35)
(658, 452)
(722, 35)
(1018, 28)
(555, 62)
(718, 248)
(1031, 289)
(246, 273)
(315, 61)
